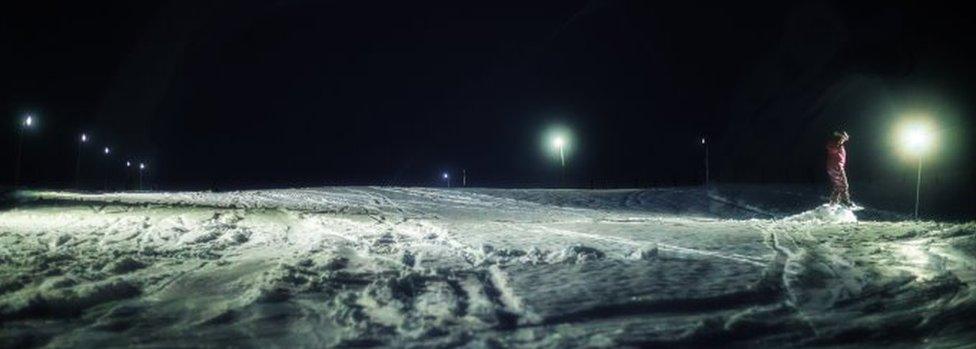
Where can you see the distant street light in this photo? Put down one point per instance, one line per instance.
(916, 139)
(127, 178)
(447, 179)
(81, 144)
(560, 143)
(705, 144)
(108, 168)
(27, 123)
(142, 168)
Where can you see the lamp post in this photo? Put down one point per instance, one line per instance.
(705, 144)
(128, 176)
(918, 185)
(917, 140)
(27, 123)
(557, 142)
(81, 143)
(142, 167)
(107, 151)
(447, 178)
(560, 144)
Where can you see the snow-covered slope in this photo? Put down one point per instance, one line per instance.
(381, 266)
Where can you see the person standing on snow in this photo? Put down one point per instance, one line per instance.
(836, 162)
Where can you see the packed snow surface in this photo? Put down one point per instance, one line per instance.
(421, 267)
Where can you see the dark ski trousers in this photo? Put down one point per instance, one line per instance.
(839, 192)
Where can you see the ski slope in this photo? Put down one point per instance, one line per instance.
(422, 267)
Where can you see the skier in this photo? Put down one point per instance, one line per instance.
(836, 161)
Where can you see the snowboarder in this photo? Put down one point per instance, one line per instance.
(836, 161)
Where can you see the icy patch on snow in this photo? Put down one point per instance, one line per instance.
(826, 214)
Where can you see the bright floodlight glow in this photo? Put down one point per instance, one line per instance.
(916, 138)
(84, 137)
(142, 166)
(703, 140)
(445, 175)
(128, 164)
(558, 142)
(107, 150)
(28, 121)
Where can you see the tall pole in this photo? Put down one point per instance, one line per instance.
(562, 168)
(562, 158)
(127, 176)
(20, 144)
(106, 166)
(918, 184)
(464, 177)
(84, 139)
(706, 161)
(78, 168)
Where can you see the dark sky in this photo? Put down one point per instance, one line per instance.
(242, 94)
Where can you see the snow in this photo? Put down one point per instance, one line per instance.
(825, 214)
(422, 267)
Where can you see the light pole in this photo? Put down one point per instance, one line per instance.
(447, 179)
(556, 141)
(107, 166)
(560, 143)
(128, 175)
(705, 144)
(918, 185)
(82, 140)
(142, 167)
(28, 122)
(917, 140)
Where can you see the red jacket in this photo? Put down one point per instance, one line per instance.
(836, 156)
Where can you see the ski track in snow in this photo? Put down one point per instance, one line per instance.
(385, 266)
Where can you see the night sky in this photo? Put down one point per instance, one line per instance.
(246, 94)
